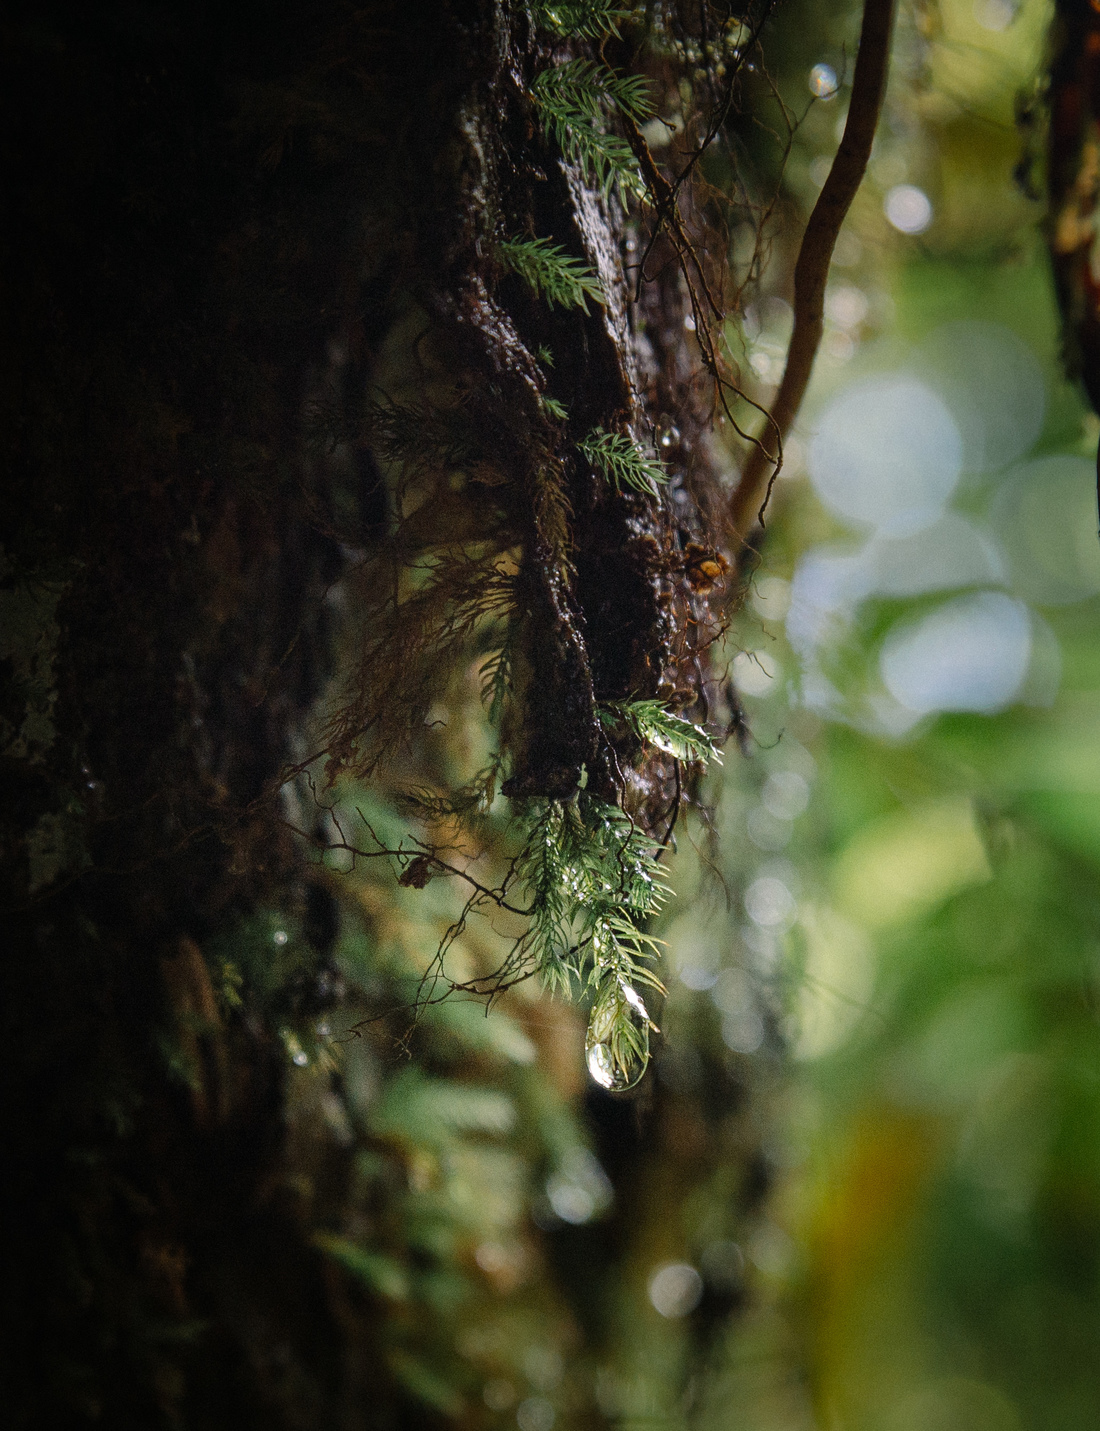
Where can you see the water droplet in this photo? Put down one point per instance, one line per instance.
(668, 434)
(280, 936)
(823, 81)
(617, 1046)
(301, 1058)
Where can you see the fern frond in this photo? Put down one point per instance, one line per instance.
(590, 879)
(585, 88)
(591, 875)
(581, 19)
(417, 435)
(552, 510)
(652, 721)
(442, 602)
(495, 673)
(631, 94)
(619, 460)
(571, 99)
(551, 272)
(473, 798)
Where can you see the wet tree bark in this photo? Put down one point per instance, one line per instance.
(217, 214)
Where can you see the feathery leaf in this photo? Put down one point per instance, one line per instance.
(551, 272)
(571, 99)
(652, 721)
(619, 460)
(581, 19)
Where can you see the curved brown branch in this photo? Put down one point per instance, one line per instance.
(811, 273)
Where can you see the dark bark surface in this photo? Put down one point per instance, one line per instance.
(167, 290)
(216, 214)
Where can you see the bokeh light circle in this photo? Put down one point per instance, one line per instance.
(887, 453)
(675, 1289)
(823, 81)
(970, 654)
(908, 208)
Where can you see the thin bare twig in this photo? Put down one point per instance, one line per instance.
(750, 497)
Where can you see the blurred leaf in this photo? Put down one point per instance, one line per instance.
(377, 1272)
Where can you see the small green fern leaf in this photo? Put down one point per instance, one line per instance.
(619, 460)
(572, 98)
(469, 801)
(655, 723)
(591, 874)
(495, 675)
(581, 19)
(551, 272)
(584, 88)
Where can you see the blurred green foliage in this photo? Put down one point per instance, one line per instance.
(937, 973)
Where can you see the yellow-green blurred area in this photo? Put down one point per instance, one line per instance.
(915, 841)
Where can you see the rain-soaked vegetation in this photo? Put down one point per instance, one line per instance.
(549, 742)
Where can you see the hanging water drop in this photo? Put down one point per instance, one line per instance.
(617, 1045)
(668, 434)
(823, 81)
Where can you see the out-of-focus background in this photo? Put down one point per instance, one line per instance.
(916, 831)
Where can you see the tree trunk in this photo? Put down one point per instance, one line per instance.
(219, 219)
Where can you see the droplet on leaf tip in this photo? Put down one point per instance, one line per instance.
(618, 1069)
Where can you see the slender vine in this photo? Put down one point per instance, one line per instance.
(750, 497)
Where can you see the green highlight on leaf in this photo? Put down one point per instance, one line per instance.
(620, 460)
(591, 876)
(581, 19)
(551, 272)
(653, 722)
(378, 1273)
(593, 879)
(572, 98)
